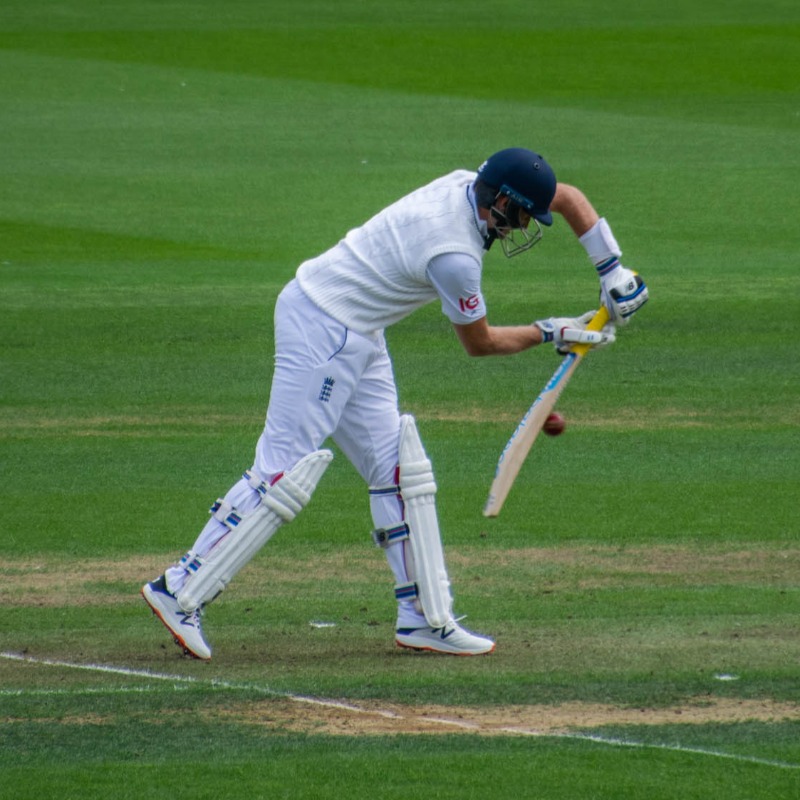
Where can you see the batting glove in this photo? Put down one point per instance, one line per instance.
(563, 332)
(622, 291)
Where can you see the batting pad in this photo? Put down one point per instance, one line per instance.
(280, 503)
(418, 492)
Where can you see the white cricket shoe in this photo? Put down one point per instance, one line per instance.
(451, 639)
(185, 628)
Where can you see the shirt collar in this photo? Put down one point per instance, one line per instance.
(482, 224)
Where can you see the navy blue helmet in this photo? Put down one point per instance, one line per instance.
(528, 183)
(524, 177)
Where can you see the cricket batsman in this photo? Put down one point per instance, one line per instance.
(333, 379)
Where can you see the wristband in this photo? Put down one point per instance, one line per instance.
(601, 247)
(607, 267)
(547, 328)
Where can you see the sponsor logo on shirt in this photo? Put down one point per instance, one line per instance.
(469, 304)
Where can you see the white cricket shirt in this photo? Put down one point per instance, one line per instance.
(427, 245)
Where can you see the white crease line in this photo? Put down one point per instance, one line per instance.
(584, 737)
(84, 691)
(213, 683)
(472, 726)
(597, 739)
(139, 673)
(343, 706)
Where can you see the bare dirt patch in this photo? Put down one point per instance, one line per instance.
(78, 582)
(627, 418)
(595, 567)
(47, 583)
(87, 582)
(176, 419)
(375, 718)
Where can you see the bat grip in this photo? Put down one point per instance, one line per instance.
(596, 323)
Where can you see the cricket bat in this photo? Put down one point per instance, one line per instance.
(519, 445)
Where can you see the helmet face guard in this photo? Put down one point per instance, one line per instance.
(515, 239)
(514, 229)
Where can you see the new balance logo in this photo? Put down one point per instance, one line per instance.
(327, 388)
(443, 632)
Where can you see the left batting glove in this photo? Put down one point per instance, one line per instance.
(622, 291)
(563, 332)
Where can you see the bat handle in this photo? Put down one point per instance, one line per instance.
(600, 318)
(596, 323)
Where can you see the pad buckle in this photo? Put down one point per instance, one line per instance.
(386, 537)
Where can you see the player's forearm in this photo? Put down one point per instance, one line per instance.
(511, 339)
(574, 206)
(623, 291)
(489, 340)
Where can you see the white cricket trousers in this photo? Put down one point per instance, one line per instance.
(328, 382)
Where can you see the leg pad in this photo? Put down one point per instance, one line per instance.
(280, 503)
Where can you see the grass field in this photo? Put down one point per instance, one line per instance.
(164, 169)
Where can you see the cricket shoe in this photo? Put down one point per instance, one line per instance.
(185, 628)
(451, 639)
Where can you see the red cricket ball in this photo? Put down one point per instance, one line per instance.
(554, 424)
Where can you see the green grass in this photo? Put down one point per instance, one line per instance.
(264, 765)
(166, 167)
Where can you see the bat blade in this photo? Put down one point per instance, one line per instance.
(519, 445)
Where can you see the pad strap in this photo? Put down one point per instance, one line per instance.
(225, 513)
(255, 482)
(384, 491)
(386, 537)
(406, 591)
(191, 562)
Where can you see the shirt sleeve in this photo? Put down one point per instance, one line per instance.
(457, 280)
